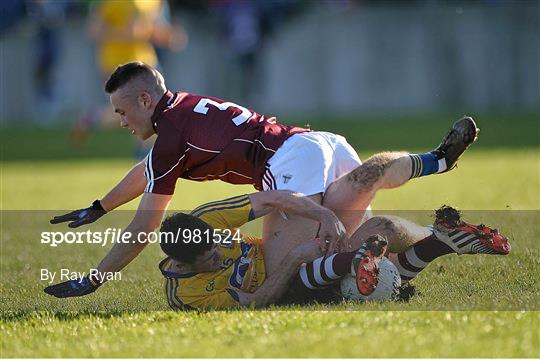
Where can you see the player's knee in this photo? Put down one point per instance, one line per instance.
(382, 225)
(393, 230)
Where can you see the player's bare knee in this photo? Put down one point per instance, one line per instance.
(394, 230)
(382, 225)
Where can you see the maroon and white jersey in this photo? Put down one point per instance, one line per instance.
(203, 138)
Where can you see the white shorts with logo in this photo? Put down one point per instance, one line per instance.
(309, 162)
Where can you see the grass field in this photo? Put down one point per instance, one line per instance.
(469, 306)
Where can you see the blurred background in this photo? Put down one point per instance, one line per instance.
(328, 63)
(334, 57)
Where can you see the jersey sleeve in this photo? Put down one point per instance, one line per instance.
(164, 163)
(226, 214)
(194, 294)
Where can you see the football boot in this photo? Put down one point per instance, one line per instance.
(465, 238)
(365, 264)
(462, 134)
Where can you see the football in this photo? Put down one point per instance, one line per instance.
(387, 288)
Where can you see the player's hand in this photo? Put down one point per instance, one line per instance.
(81, 216)
(331, 233)
(71, 288)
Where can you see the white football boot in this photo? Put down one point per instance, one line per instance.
(466, 238)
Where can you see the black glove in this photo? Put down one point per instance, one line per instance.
(81, 216)
(79, 287)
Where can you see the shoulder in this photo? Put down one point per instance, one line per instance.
(230, 213)
(171, 136)
(175, 113)
(180, 100)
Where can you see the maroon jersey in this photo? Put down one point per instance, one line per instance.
(203, 138)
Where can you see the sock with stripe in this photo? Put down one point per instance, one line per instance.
(324, 271)
(415, 259)
(426, 164)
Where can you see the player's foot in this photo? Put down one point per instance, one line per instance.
(365, 265)
(466, 238)
(462, 134)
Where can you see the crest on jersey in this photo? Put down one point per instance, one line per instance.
(286, 178)
(211, 285)
(241, 266)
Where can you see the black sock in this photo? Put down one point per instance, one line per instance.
(417, 257)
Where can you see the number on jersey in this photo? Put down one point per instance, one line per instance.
(202, 108)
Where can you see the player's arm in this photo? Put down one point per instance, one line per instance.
(147, 219)
(277, 283)
(265, 202)
(159, 171)
(129, 188)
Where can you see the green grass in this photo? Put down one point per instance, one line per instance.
(276, 334)
(468, 306)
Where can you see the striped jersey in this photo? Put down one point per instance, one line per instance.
(203, 138)
(242, 264)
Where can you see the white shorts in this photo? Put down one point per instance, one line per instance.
(309, 162)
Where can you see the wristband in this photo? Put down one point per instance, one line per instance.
(96, 205)
(94, 281)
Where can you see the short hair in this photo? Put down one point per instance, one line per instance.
(136, 70)
(185, 250)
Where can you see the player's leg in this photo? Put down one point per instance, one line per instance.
(407, 243)
(399, 232)
(305, 164)
(283, 232)
(390, 232)
(450, 235)
(411, 248)
(379, 232)
(315, 280)
(350, 195)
